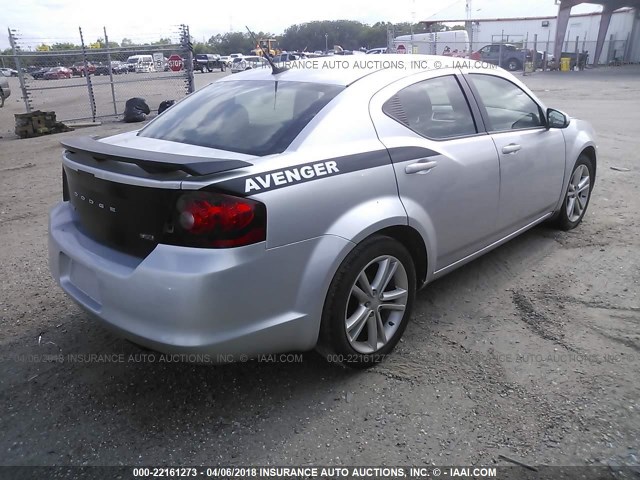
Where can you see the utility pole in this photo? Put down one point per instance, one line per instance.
(469, 24)
(413, 20)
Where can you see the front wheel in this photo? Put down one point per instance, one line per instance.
(513, 65)
(368, 304)
(578, 194)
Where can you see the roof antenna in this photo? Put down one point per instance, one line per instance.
(274, 69)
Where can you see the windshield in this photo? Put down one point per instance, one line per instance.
(253, 117)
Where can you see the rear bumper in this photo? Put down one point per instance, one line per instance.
(243, 301)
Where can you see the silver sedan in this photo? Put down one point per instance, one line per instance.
(302, 208)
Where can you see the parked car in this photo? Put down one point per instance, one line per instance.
(286, 57)
(102, 69)
(241, 64)
(120, 67)
(506, 55)
(38, 73)
(57, 73)
(141, 64)
(5, 90)
(78, 69)
(253, 234)
(207, 62)
(377, 50)
(8, 72)
(117, 68)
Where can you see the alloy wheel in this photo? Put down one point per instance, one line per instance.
(376, 304)
(578, 193)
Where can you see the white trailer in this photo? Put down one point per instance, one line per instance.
(454, 42)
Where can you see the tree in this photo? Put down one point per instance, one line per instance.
(232, 42)
(375, 35)
(311, 36)
(350, 35)
(162, 41)
(201, 47)
(64, 46)
(126, 42)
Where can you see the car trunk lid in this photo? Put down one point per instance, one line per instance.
(125, 197)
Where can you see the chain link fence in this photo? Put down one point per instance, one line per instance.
(92, 81)
(614, 52)
(527, 54)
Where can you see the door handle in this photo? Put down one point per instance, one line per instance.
(511, 148)
(422, 166)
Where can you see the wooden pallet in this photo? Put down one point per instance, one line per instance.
(38, 123)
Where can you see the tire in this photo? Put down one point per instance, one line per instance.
(374, 262)
(1, 98)
(513, 64)
(575, 206)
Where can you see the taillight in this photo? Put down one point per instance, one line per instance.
(214, 220)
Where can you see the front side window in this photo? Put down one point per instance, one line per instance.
(253, 117)
(434, 108)
(508, 106)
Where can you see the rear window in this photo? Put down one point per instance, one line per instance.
(253, 117)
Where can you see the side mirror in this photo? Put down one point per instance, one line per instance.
(557, 119)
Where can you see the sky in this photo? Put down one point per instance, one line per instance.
(51, 21)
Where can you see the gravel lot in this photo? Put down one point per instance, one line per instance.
(532, 351)
(68, 97)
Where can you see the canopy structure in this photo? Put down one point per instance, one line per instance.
(469, 11)
(608, 7)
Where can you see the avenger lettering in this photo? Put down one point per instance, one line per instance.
(292, 175)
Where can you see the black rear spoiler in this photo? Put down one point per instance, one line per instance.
(152, 162)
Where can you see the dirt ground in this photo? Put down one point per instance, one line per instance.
(532, 351)
(69, 98)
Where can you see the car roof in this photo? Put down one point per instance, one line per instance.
(345, 70)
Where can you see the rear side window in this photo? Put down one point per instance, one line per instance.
(508, 106)
(253, 117)
(434, 108)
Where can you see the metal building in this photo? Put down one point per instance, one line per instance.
(609, 30)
